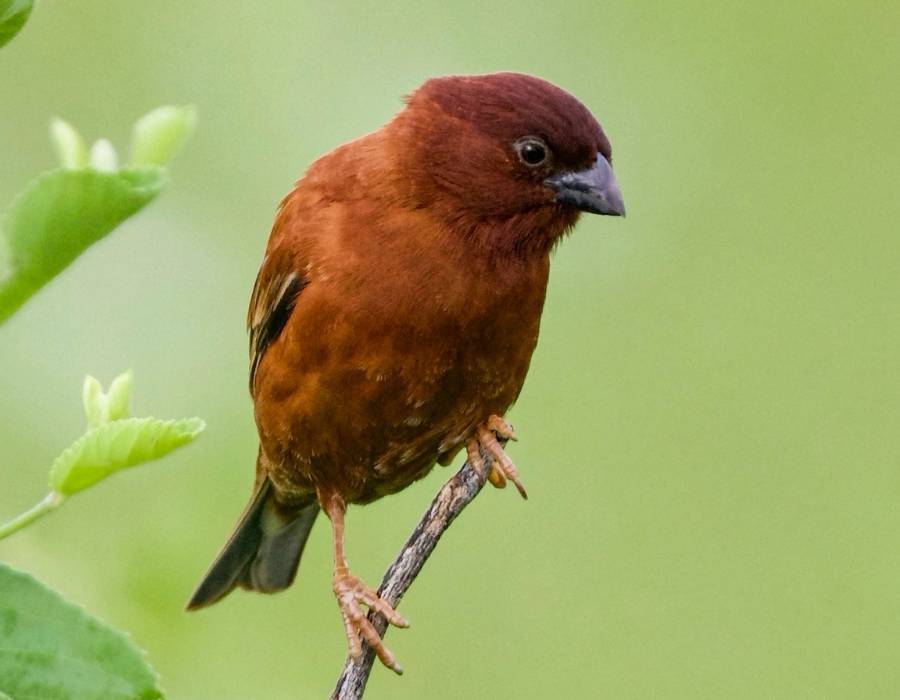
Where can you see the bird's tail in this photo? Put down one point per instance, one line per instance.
(263, 552)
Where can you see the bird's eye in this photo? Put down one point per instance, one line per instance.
(532, 151)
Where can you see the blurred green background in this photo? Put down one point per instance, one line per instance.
(711, 428)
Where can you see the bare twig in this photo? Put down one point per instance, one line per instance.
(449, 502)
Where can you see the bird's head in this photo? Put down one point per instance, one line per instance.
(506, 149)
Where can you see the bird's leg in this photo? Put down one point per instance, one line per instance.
(487, 439)
(352, 594)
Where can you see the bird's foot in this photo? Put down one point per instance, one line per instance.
(487, 439)
(352, 594)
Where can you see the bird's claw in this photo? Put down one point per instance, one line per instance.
(503, 430)
(487, 439)
(352, 594)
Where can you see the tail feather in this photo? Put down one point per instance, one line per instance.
(264, 551)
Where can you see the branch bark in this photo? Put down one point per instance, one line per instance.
(455, 495)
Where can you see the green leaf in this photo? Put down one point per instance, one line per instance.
(13, 15)
(53, 650)
(160, 134)
(113, 446)
(69, 145)
(94, 401)
(104, 157)
(118, 398)
(58, 216)
(99, 407)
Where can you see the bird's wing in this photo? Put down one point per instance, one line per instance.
(275, 292)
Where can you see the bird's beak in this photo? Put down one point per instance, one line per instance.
(594, 190)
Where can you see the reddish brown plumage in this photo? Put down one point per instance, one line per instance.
(399, 301)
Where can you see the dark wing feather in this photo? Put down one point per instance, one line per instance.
(274, 295)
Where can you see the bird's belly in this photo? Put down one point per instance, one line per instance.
(372, 430)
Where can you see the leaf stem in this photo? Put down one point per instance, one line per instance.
(49, 503)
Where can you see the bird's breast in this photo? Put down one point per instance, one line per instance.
(389, 360)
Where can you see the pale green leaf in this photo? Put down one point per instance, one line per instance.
(69, 145)
(53, 650)
(100, 407)
(57, 217)
(94, 401)
(104, 157)
(110, 447)
(118, 397)
(160, 134)
(13, 15)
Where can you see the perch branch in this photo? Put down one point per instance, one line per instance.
(455, 495)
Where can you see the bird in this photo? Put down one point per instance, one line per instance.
(395, 313)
